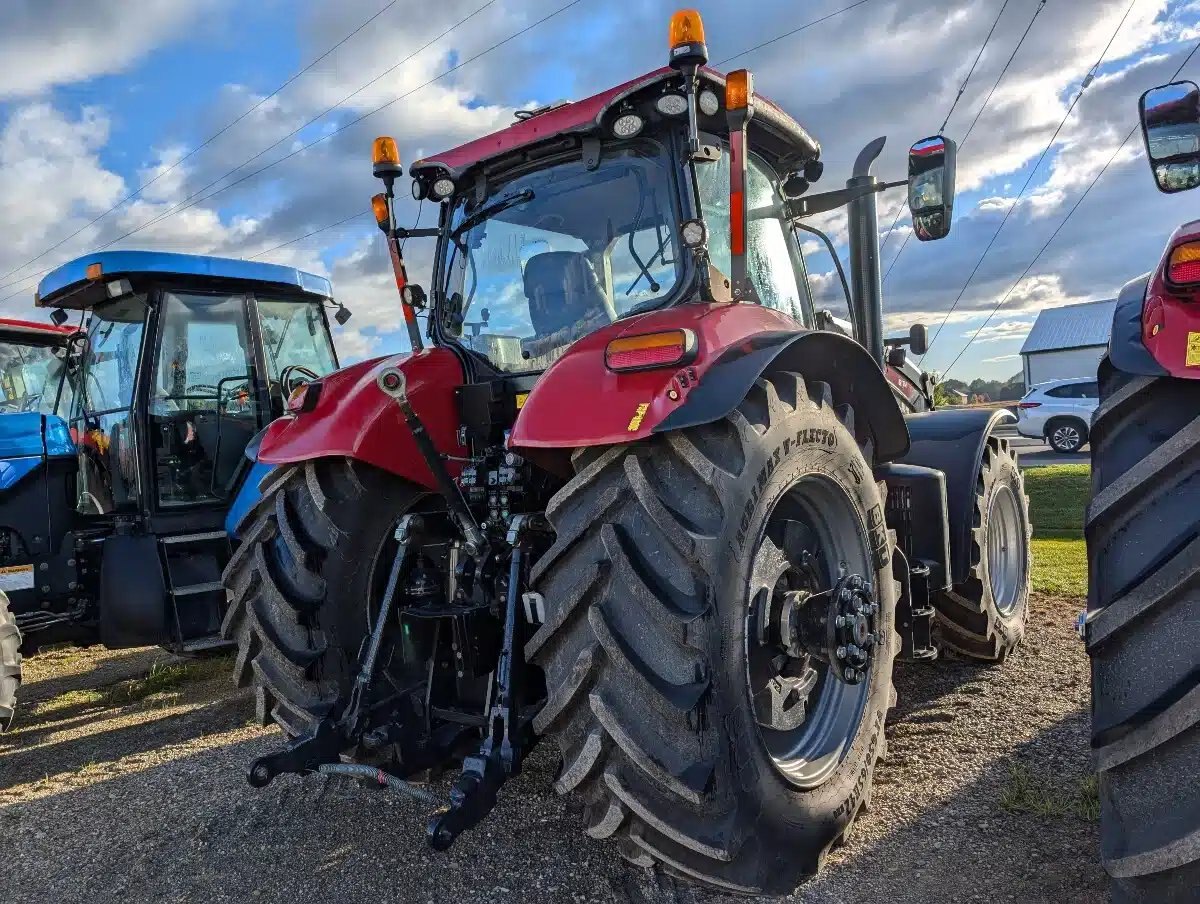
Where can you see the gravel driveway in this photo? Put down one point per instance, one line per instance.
(984, 797)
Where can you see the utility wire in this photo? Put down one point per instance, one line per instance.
(133, 194)
(189, 201)
(788, 34)
(179, 208)
(1087, 80)
(300, 238)
(957, 97)
(1054, 234)
(962, 143)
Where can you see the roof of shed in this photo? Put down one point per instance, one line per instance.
(1071, 326)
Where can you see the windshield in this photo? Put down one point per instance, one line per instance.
(566, 251)
(29, 377)
(294, 333)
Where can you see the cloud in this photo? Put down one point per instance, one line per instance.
(818, 75)
(45, 44)
(1008, 329)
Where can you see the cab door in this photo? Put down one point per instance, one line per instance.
(203, 406)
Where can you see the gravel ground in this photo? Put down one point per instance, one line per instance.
(148, 801)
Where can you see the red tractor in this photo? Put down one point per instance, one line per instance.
(1143, 535)
(638, 495)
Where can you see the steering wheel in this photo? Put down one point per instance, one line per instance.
(188, 389)
(294, 376)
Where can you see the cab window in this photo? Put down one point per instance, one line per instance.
(294, 334)
(773, 259)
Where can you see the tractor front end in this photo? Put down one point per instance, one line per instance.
(626, 492)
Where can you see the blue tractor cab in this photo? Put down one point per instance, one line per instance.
(179, 361)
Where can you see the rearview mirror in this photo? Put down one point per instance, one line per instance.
(931, 186)
(1170, 116)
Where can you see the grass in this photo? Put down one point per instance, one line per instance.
(162, 681)
(1060, 567)
(1058, 495)
(1025, 793)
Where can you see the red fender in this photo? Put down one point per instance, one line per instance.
(354, 419)
(580, 402)
(1171, 315)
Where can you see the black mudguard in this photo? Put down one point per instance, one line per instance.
(1126, 350)
(133, 593)
(825, 356)
(952, 441)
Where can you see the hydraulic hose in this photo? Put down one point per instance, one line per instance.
(357, 770)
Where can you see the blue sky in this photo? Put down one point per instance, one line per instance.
(97, 97)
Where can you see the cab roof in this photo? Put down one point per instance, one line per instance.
(68, 286)
(17, 331)
(772, 130)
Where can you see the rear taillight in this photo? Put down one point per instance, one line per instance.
(665, 349)
(1029, 405)
(1183, 267)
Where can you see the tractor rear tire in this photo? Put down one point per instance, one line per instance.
(649, 593)
(1143, 536)
(10, 663)
(300, 581)
(984, 617)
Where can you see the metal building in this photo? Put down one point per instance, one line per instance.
(1067, 342)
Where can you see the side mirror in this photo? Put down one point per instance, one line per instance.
(918, 339)
(1170, 116)
(931, 186)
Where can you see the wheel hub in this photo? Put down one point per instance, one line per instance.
(837, 626)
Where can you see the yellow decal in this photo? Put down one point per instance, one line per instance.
(635, 422)
(1193, 350)
(521, 397)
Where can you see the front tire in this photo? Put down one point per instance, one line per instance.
(10, 663)
(1143, 535)
(984, 617)
(664, 563)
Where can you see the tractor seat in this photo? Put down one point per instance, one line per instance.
(563, 291)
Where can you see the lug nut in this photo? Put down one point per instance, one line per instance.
(851, 675)
(841, 652)
(839, 622)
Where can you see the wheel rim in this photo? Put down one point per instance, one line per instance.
(1005, 550)
(1066, 437)
(810, 541)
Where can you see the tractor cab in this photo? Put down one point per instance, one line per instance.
(181, 362)
(36, 453)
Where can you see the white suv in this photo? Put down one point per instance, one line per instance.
(1059, 411)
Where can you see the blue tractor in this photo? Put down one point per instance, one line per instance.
(177, 363)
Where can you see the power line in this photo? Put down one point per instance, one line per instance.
(1054, 234)
(300, 238)
(788, 34)
(184, 204)
(1087, 80)
(179, 208)
(957, 97)
(133, 194)
(1028, 28)
(962, 143)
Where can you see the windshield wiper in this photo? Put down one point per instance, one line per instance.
(491, 210)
